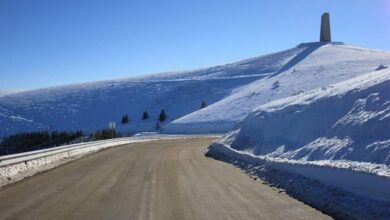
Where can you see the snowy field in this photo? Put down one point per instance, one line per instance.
(92, 106)
(4, 92)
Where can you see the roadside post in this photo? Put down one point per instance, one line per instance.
(112, 127)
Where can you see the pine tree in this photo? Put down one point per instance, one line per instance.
(203, 105)
(145, 115)
(162, 116)
(125, 119)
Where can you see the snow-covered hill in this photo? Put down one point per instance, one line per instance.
(315, 65)
(92, 106)
(231, 91)
(5, 92)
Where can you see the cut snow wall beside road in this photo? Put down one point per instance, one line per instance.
(363, 183)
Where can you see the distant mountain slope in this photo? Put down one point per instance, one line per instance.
(92, 106)
(315, 66)
(5, 92)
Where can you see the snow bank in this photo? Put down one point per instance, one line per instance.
(344, 121)
(314, 66)
(301, 181)
(366, 180)
(338, 135)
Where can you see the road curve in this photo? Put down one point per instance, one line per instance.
(167, 179)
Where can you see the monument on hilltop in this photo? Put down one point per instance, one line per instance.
(325, 29)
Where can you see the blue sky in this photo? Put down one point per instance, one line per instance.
(55, 42)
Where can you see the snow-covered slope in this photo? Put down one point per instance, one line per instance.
(314, 66)
(231, 91)
(347, 121)
(93, 105)
(5, 92)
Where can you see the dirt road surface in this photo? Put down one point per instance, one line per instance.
(167, 179)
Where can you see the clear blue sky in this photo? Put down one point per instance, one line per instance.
(54, 42)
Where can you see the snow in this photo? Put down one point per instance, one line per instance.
(314, 65)
(316, 117)
(92, 106)
(331, 143)
(344, 121)
(301, 181)
(337, 135)
(231, 91)
(5, 92)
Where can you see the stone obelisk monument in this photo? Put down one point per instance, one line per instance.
(325, 28)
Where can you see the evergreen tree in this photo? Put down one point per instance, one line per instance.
(104, 134)
(125, 119)
(162, 116)
(203, 105)
(24, 142)
(145, 115)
